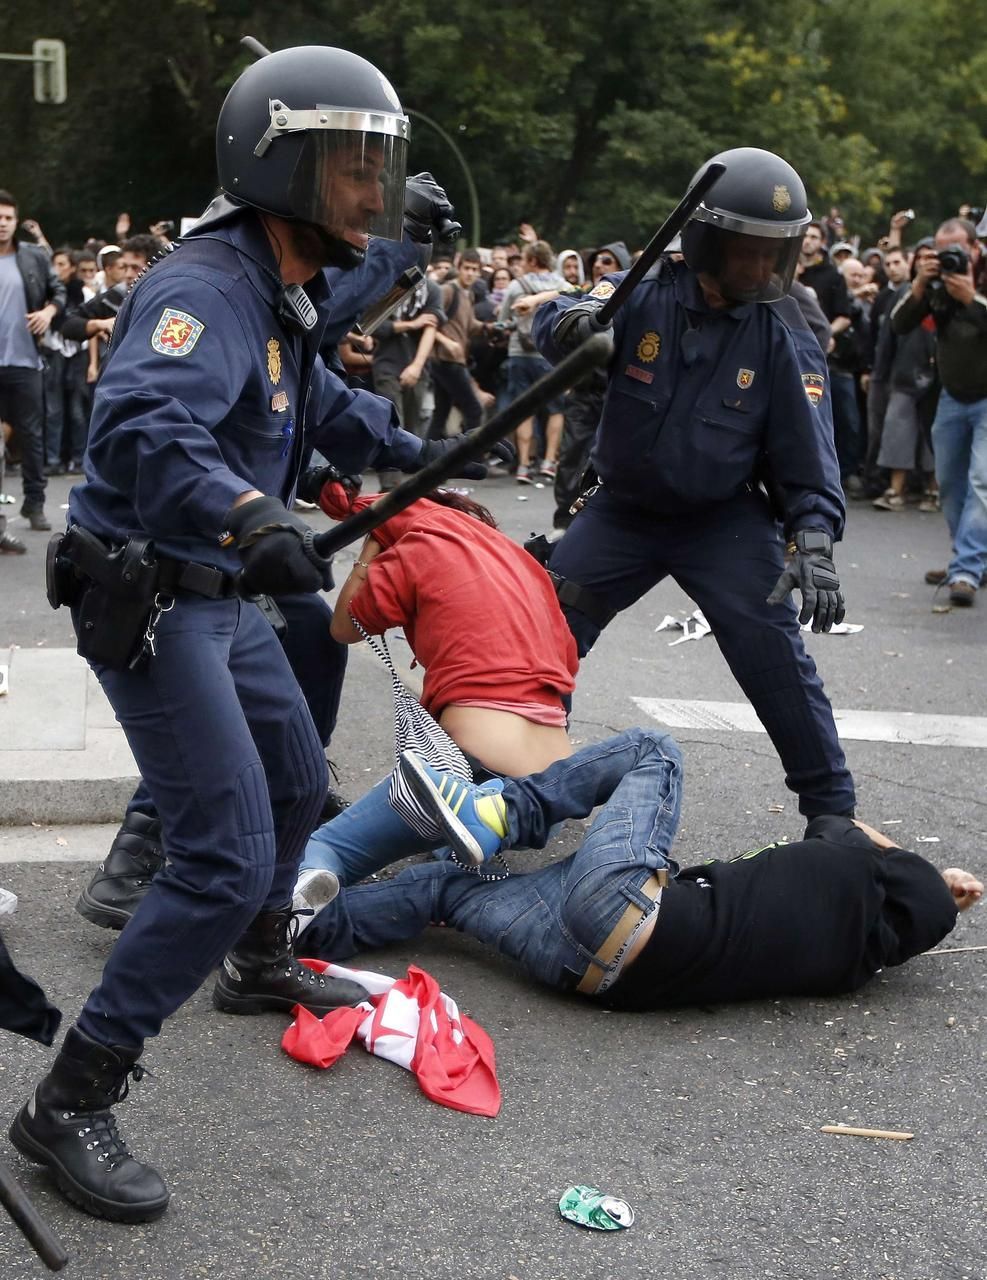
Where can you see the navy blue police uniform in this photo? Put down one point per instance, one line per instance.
(704, 406)
(317, 660)
(208, 393)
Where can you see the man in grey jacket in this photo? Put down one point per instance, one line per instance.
(31, 296)
(525, 364)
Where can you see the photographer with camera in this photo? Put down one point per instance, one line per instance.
(944, 288)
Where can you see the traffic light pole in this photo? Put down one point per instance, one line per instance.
(48, 58)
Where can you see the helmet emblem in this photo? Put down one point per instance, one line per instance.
(781, 200)
(649, 347)
(274, 360)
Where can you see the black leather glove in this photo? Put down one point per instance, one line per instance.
(314, 480)
(427, 211)
(576, 324)
(811, 569)
(432, 449)
(276, 550)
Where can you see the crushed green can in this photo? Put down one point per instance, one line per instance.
(589, 1207)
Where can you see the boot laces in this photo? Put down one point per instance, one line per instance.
(300, 972)
(105, 1136)
(102, 1125)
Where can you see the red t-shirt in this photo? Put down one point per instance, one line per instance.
(481, 615)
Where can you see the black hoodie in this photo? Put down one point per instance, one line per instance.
(816, 917)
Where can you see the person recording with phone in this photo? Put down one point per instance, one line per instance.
(945, 288)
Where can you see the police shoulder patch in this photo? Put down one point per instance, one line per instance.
(176, 333)
(815, 385)
(603, 290)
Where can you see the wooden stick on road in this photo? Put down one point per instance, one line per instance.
(896, 1134)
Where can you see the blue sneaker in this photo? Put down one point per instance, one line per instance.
(474, 819)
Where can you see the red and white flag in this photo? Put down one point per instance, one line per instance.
(409, 1021)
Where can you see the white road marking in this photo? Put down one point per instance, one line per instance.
(905, 727)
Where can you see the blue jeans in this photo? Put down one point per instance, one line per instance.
(551, 921)
(362, 839)
(959, 441)
(846, 421)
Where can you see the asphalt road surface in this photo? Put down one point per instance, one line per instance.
(707, 1120)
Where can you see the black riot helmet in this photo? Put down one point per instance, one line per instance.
(317, 135)
(747, 233)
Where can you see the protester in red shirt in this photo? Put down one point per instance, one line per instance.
(481, 616)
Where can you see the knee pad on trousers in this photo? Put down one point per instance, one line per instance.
(300, 805)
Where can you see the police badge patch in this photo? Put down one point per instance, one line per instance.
(744, 378)
(815, 385)
(274, 360)
(603, 290)
(649, 348)
(176, 333)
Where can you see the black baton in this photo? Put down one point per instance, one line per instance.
(660, 241)
(594, 352)
(39, 1235)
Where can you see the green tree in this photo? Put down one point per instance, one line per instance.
(587, 120)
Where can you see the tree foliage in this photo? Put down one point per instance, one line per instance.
(587, 120)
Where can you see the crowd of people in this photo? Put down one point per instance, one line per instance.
(57, 312)
(185, 559)
(907, 357)
(459, 347)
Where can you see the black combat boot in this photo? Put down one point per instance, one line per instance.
(333, 806)
(334, 802)
(68, 1127)
(261, 973)
(115, 891)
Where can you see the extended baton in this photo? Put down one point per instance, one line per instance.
(39, 1235)
(660, 241)
(595, 351)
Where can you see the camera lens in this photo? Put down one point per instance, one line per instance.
(953, 261)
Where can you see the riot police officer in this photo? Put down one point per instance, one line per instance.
(302, 622)
(212, 390)
(714, 451)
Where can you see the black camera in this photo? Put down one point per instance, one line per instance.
(954, 261)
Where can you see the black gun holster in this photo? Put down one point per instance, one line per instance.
(111, 591)
(570, 593)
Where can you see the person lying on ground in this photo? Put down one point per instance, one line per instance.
(618, 921)
(481, 616)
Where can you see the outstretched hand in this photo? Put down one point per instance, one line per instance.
(965, 888)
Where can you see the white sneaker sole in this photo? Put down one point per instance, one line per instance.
(313, 891)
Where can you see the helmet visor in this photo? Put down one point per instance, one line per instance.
(351, 184)
(745, 267)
